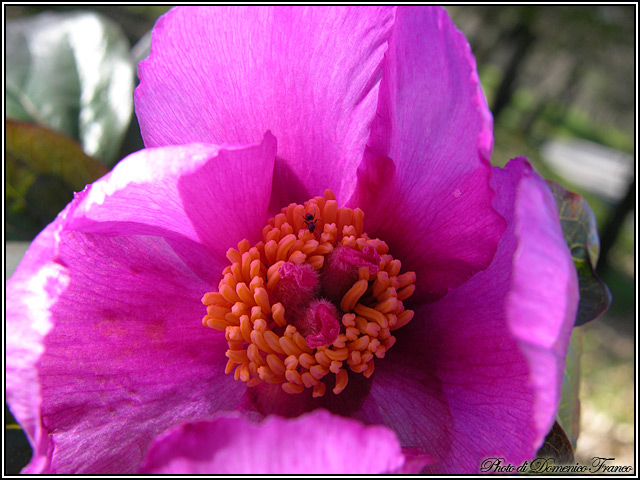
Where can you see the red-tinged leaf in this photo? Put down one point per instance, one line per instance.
(44, 168)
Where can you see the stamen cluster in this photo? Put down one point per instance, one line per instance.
(264, 343)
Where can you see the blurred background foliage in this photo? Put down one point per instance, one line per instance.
(560, 81)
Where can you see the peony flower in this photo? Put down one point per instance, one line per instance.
(314, 225)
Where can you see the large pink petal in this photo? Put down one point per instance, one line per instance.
(106, 347)
(31, 292)
(314, 443)
(542, 293)
(310, 75)
(128, 356)
(478, 373)
(192, 195)
(424, 179)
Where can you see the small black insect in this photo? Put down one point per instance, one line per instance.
(310, 220)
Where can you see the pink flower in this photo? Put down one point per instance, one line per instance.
(245, 111)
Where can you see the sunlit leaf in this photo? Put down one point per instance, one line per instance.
(557, 446)
(581, 235)
(43, 169)
(569, 411)
(72, 73)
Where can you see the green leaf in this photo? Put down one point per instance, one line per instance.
(17, 450)
(569, 411)
(43, 170)
(557, 446)
(72, 73)
(581, 235)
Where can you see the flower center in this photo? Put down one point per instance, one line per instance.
(316, 297)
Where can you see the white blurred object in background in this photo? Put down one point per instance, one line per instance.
(593, 167)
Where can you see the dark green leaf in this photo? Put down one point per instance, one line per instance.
(569, 411)
(581, 235)
(72, 73)
(557, 446)
(17, 451)
(43, 170)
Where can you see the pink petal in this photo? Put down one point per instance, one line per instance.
(127, 356)
(193, 196)
(310, 75)
(424, 180)
(478, 373)
(317, 442)
(114, 351)
(542, 312)
(31, 292)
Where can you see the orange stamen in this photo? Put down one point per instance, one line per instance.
(264, 344)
